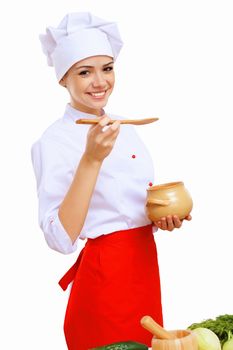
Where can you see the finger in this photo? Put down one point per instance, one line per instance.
(115, 125)
(177, 222)
(93, 126)
(98, 126)
(112, 131)
(98, 129)
(170, 225)
(163, 223)
(158, 224)
(104, 121)
(107, 139)
(189, 217)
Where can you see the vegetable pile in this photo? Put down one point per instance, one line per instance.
(222, 326)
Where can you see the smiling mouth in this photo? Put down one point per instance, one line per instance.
(97, 95)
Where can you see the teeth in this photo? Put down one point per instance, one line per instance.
(98, 94)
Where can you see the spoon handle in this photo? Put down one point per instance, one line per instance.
(148, 323)
(122, 121)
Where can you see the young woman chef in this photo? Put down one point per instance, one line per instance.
(91, 183)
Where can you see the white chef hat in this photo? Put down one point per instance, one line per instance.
(78, 36)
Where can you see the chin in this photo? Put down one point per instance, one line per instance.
(99, 104)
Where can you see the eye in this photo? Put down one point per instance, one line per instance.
(84, 72)
(108, 69)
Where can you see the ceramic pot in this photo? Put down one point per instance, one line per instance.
(183, 340)
(168, 199)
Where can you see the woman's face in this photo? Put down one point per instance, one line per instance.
(90, 83)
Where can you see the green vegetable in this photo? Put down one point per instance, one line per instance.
(222, 326)
(126, 345)
(206, 339)
(228, 345)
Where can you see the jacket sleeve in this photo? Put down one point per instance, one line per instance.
(54, 173)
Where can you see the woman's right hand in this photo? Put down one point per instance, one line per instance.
(100, 143)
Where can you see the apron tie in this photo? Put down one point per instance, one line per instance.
(70, 274)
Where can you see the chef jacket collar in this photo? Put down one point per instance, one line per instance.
(75, 114)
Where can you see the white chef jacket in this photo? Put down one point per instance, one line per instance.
(119, 198)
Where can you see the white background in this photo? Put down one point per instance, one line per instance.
(176, 64)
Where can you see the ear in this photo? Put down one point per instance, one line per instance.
(62, 82)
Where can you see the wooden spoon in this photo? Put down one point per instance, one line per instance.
(122, 121)
(148, 323)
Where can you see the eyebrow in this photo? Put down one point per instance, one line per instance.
(104, 65)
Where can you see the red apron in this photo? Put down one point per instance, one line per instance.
(115, 283)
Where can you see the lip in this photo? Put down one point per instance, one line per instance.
(97, 97)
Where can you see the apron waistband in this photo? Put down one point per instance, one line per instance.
(117, 235)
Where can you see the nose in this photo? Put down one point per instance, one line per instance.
(99, 80)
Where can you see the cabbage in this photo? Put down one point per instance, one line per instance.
(207, 339)
(228, 345)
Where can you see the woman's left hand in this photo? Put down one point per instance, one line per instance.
(169, 222)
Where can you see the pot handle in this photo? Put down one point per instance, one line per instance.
(163, 202)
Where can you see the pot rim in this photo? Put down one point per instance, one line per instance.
(188, 332)
(166, 185)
